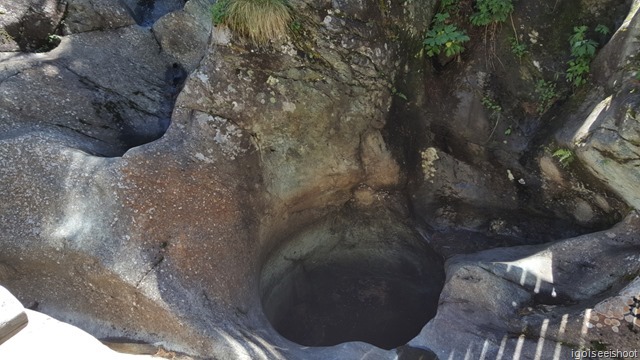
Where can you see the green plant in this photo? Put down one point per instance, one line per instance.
(602, 29)
(219, 11)
(578, 71)
(443, 36)
(295, 26)
(397, 93)
(564, 156)
(491, 11)
(491, 105)
(582, 50)
(581, 46)
(517, 48)
(546, 95)
(449, 6)
(50, 43)
(259, 20)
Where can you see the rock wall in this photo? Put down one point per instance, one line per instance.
(154, 166)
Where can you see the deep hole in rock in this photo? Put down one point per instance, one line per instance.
(373, 280)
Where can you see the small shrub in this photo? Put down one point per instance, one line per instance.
(443, 36)
(491, 11)
(259, 20)
(602, 29)
(49, 44)
(580, 45)
(582, 51)
(517, 48)
(546, 95)
(448, 6)
(578, 71)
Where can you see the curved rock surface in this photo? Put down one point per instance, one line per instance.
(309, 152)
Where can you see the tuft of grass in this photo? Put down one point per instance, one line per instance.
(259, 20)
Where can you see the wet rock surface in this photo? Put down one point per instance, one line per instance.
(170, 183)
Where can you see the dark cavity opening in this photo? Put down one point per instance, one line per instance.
(146, 12)
(370, 281)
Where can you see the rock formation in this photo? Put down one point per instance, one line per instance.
(166, 181)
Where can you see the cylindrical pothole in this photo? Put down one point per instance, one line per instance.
(353, 277)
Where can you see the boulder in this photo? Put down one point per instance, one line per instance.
(604, 133)
(287, 153)
(164, 243)
(530, 301)
(184, 34)
(28, 25)
(109, 90)
(95, 15)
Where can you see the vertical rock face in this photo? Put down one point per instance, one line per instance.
(606, 131)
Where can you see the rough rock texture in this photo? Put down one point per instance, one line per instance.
(540, 301)
(605, 132)
(93, 15)
(361, 274)
(146, 12)
(166, 242)
(27, 25)
(184, 34)
(480, 178)
(111, 88)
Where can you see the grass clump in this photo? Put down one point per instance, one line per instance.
(258, 20)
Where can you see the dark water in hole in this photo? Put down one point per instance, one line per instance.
(382, 303)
